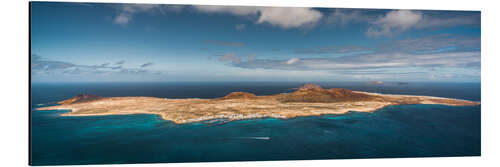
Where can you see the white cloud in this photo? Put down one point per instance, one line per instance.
(127, 11)
(400, 18)
(240, 10)
(455, 19)
(442, 66)
(283, 17)
(395, 22)
(122, 19)
(345, 17)
(40, 66)
(230, 57)
(470, 60)
(292, 61)
(239, 27)
(289, 17)
(434, 43)
(234, 59)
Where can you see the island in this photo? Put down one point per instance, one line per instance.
(308, 100)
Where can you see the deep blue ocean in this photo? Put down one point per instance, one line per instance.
(394, 131)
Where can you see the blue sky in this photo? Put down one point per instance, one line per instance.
(99, 42)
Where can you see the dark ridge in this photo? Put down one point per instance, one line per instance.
(312, 93)
(309, 86)
(80, 98)
(240, 95)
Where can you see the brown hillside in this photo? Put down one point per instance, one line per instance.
(309, 86)
(80, 98)
(312, 93)
(240, 95)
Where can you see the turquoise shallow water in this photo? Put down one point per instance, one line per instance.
(394, 131)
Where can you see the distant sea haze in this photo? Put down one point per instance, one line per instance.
(394, 131)
(466, 91)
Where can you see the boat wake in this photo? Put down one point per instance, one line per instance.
(256, 138)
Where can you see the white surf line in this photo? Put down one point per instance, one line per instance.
(256, 138)
(41, 104)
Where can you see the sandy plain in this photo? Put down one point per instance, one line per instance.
(309, 100)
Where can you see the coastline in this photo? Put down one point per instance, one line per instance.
(313, 101)
(201, 119)
(417, 96)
